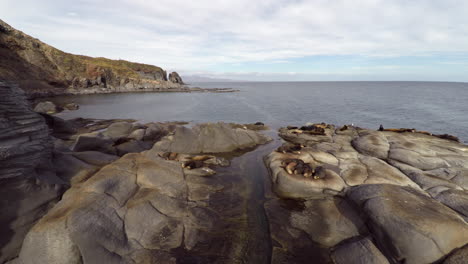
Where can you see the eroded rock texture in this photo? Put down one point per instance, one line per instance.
(143, 207)
(374, 197)
(26, 192)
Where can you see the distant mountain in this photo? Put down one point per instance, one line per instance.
(197, 78)
(41, 68)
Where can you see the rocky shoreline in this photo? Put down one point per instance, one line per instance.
(118, 191)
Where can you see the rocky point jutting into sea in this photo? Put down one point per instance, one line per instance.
(123, 191)
(42, 70)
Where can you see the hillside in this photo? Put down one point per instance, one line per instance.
(42, 69)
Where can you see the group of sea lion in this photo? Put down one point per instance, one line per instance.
(298, 166)
(290, 148)
(314, 129)
(188, 162)
(413, 130)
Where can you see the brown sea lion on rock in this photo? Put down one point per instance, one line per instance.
(168, 155)
(291, 127)
(319, 173)
(259, 124)
(343, 128)
(192, 164)
(297, 167)
(201, 157)
(449, 137)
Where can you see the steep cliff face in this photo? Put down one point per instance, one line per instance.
(40, 68)
(27, 186)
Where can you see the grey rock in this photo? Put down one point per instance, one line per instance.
(406, 223)
(94, 141)
(46, 107)
(137, 134)
(25, 153)
(361, 251)
(132, 146)
(118, 130)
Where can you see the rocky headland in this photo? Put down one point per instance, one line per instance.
(42, 70)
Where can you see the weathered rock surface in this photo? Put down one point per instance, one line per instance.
(408, 188)
(26, 193)
(141, 208)
(362, 251)
(210, 138)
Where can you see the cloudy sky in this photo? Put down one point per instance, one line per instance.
(265, 40)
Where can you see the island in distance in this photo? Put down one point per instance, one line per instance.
(87, 190)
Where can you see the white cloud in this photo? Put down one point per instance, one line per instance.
(206, 34)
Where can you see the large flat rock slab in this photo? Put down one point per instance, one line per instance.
(210, 138)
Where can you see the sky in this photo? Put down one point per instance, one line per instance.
(261, 40)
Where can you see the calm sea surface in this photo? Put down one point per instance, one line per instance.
(433, 106)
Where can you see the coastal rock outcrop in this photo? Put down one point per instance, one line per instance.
(404, 185)
(40, 69)
(175, 78)
(145, 207)
(28, 186)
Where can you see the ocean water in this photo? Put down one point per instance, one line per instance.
(438, 107)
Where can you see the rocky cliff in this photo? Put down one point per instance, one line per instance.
(28, 188)
(42, 69)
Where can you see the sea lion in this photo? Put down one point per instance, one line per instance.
(290, 167)
(319, 173)
(285, 162)
(192, 164)
(290, 148)
(381, 128)
(259, 124)
(308, 171)
(172, 156)
(291, 127)
(449, 137)
(164, 155)
(343, 128)
(314, 129)
(201, 157)
(296, 131)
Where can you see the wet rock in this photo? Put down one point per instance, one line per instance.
(46, 107)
